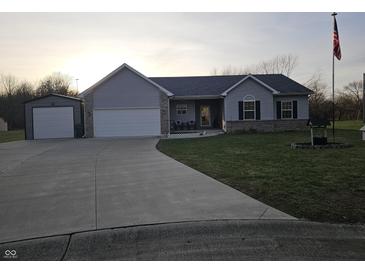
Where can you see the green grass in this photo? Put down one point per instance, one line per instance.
(321, 185)
(350, 124)
(12, 135)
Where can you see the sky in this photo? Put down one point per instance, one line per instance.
(88, 46)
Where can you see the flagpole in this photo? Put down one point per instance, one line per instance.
(363, 97)
(333, 86)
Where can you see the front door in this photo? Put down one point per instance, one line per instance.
(204, 116)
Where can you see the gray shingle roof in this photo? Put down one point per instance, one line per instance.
(215, 85)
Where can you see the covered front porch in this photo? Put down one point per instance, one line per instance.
(188, 115)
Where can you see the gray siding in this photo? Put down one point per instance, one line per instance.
(50, 101)
(126, 89)
(189, 116)
(248, 87)
(303, 104)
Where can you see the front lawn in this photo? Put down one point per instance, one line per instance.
(12, 135)
(319, 185)
(350, 124)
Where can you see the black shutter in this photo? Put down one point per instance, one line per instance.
(258, 110)
(240, 110)
(278, 110)
(295, 109)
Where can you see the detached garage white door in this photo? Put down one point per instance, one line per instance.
(127, 122)
(53, 122)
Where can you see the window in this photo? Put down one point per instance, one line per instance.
(181, 109)
(249, 108)
(286, 109)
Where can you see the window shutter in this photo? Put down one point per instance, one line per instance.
(240, 110)
(295, 109)
(258, 110)
(278, 110)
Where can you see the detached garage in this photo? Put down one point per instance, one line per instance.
(53, 116)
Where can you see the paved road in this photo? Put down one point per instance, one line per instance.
(202, 240)
(56, 187)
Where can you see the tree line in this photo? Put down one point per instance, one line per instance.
(13, 93)
(348, 99)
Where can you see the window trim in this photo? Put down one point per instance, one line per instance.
(251, 99)
(180, 107)
(291, 110)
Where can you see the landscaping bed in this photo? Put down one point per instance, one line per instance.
(326, 185)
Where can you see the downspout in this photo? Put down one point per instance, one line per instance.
(168, 116)
(83, 109)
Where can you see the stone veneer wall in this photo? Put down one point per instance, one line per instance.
(266, 125)
(164, 112)
(89, 123)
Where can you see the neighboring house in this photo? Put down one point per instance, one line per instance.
(127, 103)
(3, 125)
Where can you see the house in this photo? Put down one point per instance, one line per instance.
(3, 125)
(127, 103)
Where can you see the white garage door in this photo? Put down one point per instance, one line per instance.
(53, 122)
(127, 122)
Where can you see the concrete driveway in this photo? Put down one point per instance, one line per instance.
(55, 187)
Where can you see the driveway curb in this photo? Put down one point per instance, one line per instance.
(202, 240)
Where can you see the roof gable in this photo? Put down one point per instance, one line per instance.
(250, 76)
(116, 71)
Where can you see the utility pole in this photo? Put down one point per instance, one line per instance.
(77, 85)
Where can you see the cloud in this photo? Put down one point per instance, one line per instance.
(90, 45)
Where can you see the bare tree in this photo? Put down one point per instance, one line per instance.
(281, 64)
(319, 104)
(354, 90)
(8, 84)
(230, 70)
(11, 101)
(55, 83)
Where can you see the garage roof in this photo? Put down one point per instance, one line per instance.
(53, 94)
(217, 85)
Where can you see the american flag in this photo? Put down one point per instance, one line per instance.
(336, 42)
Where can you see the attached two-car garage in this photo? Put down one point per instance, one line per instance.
(127, 122)
(125, 104)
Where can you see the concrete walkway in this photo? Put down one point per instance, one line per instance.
(59, 187)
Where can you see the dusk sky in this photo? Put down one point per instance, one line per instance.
(90, 45)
